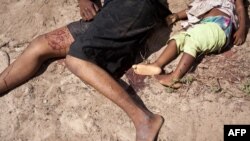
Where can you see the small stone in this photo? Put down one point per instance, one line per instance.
(20, 49)
(45, 101)
(4, 60)
(28, 88)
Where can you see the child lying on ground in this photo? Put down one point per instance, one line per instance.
(209, 26)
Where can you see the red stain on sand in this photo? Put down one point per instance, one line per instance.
(228, 54)
(136, 81)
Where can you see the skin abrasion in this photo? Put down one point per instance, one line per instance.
(5, 84)
(5, 75)
(59, 39)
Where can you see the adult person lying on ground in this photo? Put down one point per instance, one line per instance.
(211, 24)
(94, 51)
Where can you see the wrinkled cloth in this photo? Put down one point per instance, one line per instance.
(224, 22)
(206, 37)
(113, 38)
(199, 7)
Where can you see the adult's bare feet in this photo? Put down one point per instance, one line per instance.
(146, 69)
(148, 131)
(168, 80)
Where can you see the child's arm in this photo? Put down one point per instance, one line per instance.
(171, 19)
(182, 15)
(240, 34)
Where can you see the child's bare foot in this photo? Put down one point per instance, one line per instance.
(149, 131)
(168, 80)
(146, 69)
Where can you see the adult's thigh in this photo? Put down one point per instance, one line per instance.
(58, 42)
(52, 44)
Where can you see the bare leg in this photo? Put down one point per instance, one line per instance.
(155, 68)
(50, 45)
(146, 123)
(183, 66)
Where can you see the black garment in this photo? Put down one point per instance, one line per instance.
(113, 37)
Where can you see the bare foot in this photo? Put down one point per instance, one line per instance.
(168, 80)
(149, 131)
(146, 69)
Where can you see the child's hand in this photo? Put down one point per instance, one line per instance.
(171, 19)
(239, 37)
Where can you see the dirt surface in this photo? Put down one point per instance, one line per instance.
(57, 106)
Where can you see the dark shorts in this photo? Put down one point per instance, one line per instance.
(112, 39)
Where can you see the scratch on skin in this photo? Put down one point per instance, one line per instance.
(7, 74)
(7, 88)
(59, 39)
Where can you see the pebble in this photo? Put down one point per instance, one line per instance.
(4, 60)
(28, 88)
(45, 101)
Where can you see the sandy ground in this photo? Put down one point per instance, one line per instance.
(57, 106)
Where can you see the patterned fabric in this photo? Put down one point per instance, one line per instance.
(199, 7)
(228, 7)
(224, 22)
(202, 38)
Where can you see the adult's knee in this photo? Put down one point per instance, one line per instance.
(38, 42)
(71, 63)
(76, 65)
(37, 46)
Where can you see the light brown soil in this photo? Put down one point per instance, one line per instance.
(57, 106)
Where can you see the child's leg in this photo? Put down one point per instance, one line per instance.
(183, 66)
(155, 68)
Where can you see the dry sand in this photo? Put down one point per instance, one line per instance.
(57, 106)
